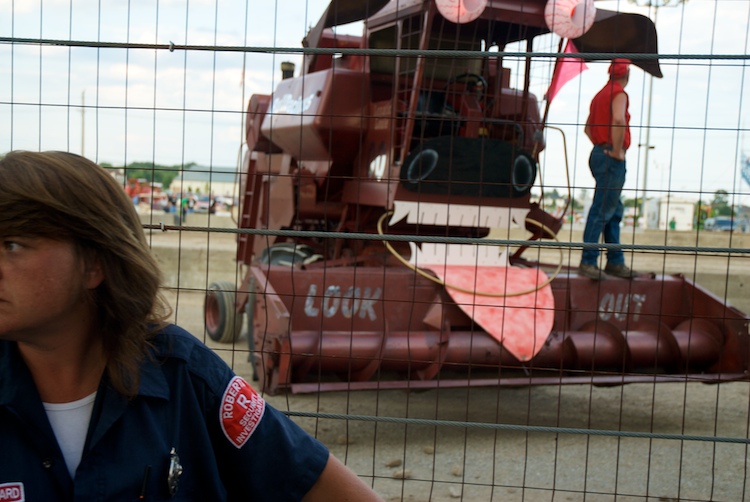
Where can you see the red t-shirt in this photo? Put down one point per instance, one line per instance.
(600, 116)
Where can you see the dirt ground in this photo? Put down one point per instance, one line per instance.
(423, 463)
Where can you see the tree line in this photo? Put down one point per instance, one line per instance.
(153, 172)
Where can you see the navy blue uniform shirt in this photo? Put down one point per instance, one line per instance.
(231, 444)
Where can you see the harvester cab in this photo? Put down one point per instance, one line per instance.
(418, 128)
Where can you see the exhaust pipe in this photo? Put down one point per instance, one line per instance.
(287, 70)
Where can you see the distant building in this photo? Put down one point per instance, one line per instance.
(118, 173)
(661, 211)
(629, 216)
(742, 212)
(217, 181)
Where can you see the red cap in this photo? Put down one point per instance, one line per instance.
(619, 67)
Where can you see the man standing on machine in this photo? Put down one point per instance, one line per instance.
(608, 128)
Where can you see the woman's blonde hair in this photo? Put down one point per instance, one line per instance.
(64, 196)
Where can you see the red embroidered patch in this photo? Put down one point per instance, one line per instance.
(241, 411)
(12, 492)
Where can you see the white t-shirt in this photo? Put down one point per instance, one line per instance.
(70, 423)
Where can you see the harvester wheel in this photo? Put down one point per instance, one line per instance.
(223, 324)
(286, 254)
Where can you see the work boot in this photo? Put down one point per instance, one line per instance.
(620, 270)
(590, 271)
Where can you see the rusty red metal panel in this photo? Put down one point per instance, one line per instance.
(318, 116)
(356, 322)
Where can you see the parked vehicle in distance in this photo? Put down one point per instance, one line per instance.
(202, 204)
(207, 204)
(725, 224)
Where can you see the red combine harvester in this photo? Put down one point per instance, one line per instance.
(434, 148)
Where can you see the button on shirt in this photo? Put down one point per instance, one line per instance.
(231, 444)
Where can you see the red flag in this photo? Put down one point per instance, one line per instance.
(565, 70)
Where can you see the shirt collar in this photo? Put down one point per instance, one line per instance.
(153, 382)
(15, 376)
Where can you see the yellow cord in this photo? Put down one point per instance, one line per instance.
(464, 290)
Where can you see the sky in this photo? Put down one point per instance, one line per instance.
(178, 107)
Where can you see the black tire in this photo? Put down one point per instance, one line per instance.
(285, 253)
(524, 174)
(223, 324)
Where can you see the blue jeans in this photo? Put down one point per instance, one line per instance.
(606, 210)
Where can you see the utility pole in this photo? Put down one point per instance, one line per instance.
(83, 123)
(644, 201)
